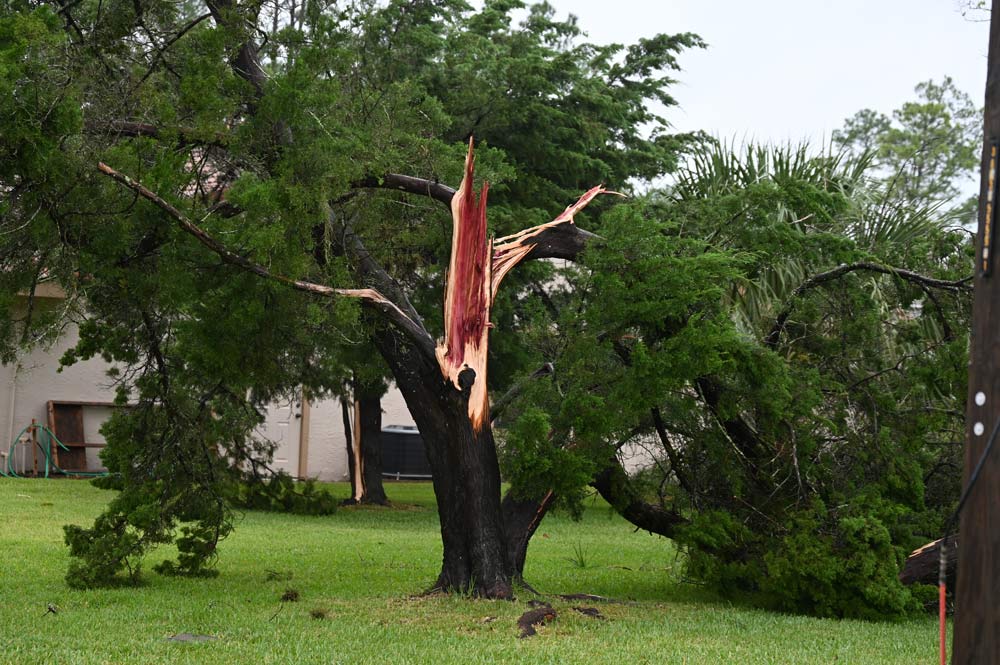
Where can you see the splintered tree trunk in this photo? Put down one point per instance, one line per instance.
(363, 435)
(449, 401)
(444, 386)
(368, 432)
(448, 398)
(466, 474)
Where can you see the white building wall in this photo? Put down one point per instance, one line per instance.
(26, 387)
(327, 453)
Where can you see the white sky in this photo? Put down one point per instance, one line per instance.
(778, 70)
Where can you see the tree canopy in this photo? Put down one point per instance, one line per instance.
(783, 330)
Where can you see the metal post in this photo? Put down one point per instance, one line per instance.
(34, 449)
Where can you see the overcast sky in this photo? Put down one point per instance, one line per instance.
(791, 69)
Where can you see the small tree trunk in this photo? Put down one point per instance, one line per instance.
(521, 518)
(368, 432)
(352, 455)
(364, 445)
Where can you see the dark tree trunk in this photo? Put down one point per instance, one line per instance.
(466, 473)
(364, 444)
(521, 518)
(368, 410)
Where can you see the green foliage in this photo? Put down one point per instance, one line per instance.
(803, 427)
(928, 151)
(834, 563)
(348, 93)
(280, 493)
(536, 466)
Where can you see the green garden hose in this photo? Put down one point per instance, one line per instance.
(46, 451)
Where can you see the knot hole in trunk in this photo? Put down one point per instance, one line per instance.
(466, 378)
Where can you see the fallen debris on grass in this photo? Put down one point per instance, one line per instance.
(591, 597)
(190, 637)
(533, 618)
(590, 612)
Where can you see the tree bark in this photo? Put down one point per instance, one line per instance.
(521, 518)
(368, 416)
(923, 564)
(466, 473)
(363, 436)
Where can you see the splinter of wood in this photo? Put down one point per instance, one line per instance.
(475, 271)
(467, 301)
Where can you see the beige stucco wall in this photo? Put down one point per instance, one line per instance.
(26, 387)
(327, 454)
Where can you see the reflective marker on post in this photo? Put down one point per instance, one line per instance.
(985, 260)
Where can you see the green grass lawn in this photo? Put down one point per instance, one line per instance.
(364, 567)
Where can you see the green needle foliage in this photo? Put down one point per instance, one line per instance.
(800, 398)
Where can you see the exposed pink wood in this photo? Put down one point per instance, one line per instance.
(510, 250)
(468, 297)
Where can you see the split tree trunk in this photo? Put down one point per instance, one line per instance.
(447, 394)
(364, 444)
(444, 385)
(466, 473)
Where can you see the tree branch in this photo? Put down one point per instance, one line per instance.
(672, 455)
(500, 405)
(957, 286)
(170, 42)
(246, 64)
(558, 239)
(370, 296)
(130, 129)
(613, 484)
(410, 184)
(371, 271)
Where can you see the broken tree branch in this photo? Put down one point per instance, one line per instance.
(923, 564)
(561, 239)
(615, 487)
(370, 296)
(410, 184)
(132, 129)
(956, 286)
